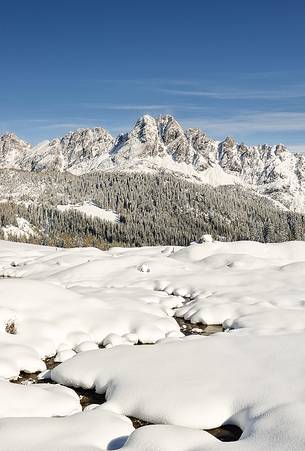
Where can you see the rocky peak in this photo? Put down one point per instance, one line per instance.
(12, 150)
(85, 144)
(200, 141)
(229, 156)
(9, 139)
(141, 142)
(170, 130)
(204, 148)
(229, 141)
(174, 139)
(145, 129)
(281, 151)
(76, 151)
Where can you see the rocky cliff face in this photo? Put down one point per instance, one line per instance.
(161, 143)
(76, 152)
(12, 151)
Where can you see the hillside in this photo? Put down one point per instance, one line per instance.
(148, 210)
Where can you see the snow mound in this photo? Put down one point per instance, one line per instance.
(92, 430)
(279, 429)
(203, 383)
(43, 400)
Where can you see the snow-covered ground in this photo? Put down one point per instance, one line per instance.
(88, 308)
(92, 211)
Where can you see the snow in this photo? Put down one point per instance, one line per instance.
(66, 354)
(202, 383)
(214, 176)
(200, 400)
(42, 400)
(23, 229)
(92, 211)
(89, 308)
(92, 430)
(47, 316)
(206, 239)
(279, 429)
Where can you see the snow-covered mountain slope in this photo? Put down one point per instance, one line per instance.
(161, 144)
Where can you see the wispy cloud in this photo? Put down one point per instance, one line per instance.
(146, 81)
(64, 125)
(267, 122)
(240, 94)
(277, 76)
(126, 107)
(154, 108)
(48, 123)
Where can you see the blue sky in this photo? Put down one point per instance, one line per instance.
(229, 67)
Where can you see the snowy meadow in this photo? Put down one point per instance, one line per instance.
(94, 344)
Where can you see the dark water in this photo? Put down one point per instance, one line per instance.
(187, 328)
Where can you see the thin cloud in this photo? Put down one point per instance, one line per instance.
(158, 108)
(72, 125)
(270, 122)
(139, 107)
(147, 81)
(240, 94)
(125, 107)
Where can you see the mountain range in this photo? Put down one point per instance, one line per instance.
(162, 145)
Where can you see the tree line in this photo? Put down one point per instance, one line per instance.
(154, 210)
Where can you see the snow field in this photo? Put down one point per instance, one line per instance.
(68, 303)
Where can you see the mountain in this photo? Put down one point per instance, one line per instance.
(77, 152)
(12, 151)
(162, 145)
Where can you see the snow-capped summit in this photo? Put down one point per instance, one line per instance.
(161, 138)
(161, 144)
